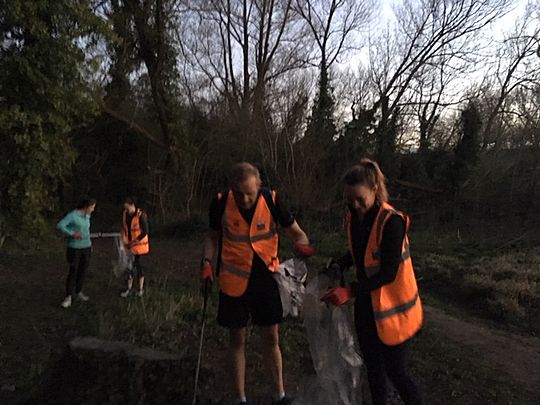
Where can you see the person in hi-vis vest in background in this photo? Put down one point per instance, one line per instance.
(387, 307)
(135, 238)
(243, 222)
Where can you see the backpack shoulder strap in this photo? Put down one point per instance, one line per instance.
(270, 199)
(222, 202)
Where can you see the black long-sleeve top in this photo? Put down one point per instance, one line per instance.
(391, 245)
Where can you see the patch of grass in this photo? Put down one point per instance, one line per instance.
(471, 272)
(153, 320)
(504, 287)
(47, 245)
(332, 244)
(181, 229)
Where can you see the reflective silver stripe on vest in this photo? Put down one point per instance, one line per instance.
(396, 310)
(235, 238)
(268, 235)
(404, 255)
(407, 253)
(234, 270)
(372, 270)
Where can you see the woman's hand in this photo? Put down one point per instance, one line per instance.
(338, 296)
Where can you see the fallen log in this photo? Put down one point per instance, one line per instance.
(96, 371)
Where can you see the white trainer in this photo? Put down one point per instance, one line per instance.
(83, 297)
(125, 294)
(140, 293)
(67, 302)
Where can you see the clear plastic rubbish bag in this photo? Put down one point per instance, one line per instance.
(291, 277)
(331, 337)
(125, 258)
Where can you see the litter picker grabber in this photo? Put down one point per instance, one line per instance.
(104, 235)
(207, 285)
(335, 273)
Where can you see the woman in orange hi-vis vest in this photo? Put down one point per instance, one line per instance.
(135, 238)
(243, 240)
(387, 307)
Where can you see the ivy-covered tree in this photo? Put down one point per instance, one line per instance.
(43, 97)
(321, 128)
(468, 148)
(317, 146)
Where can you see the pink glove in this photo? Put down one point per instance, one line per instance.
(338, 296)
(77, 235)
(304, 250)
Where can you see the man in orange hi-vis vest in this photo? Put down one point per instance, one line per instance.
(387, 308)
(243, 229)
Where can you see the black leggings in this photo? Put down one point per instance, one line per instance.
(137, 269)
(382, 360)
(78, 260)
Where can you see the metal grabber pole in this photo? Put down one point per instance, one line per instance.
(203, 325)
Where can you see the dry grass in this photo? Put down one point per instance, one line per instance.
(505, 287)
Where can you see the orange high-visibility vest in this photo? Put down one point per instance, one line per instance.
(396, 306)
(240, 241)
(142, 246)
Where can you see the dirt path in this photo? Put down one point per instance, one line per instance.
(457, 358)
(503, 352)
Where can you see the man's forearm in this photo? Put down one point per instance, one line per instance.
(297, 234)
(210, 246)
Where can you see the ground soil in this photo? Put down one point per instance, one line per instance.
(458, 359)
(502, 351)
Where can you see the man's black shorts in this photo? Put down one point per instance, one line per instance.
(261, 302)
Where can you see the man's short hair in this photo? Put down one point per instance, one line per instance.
(240, 172)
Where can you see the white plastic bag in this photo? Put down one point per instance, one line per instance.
(125, 258)
(291, 276)
(330, 333)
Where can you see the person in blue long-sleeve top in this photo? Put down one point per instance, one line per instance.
(76, 226)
